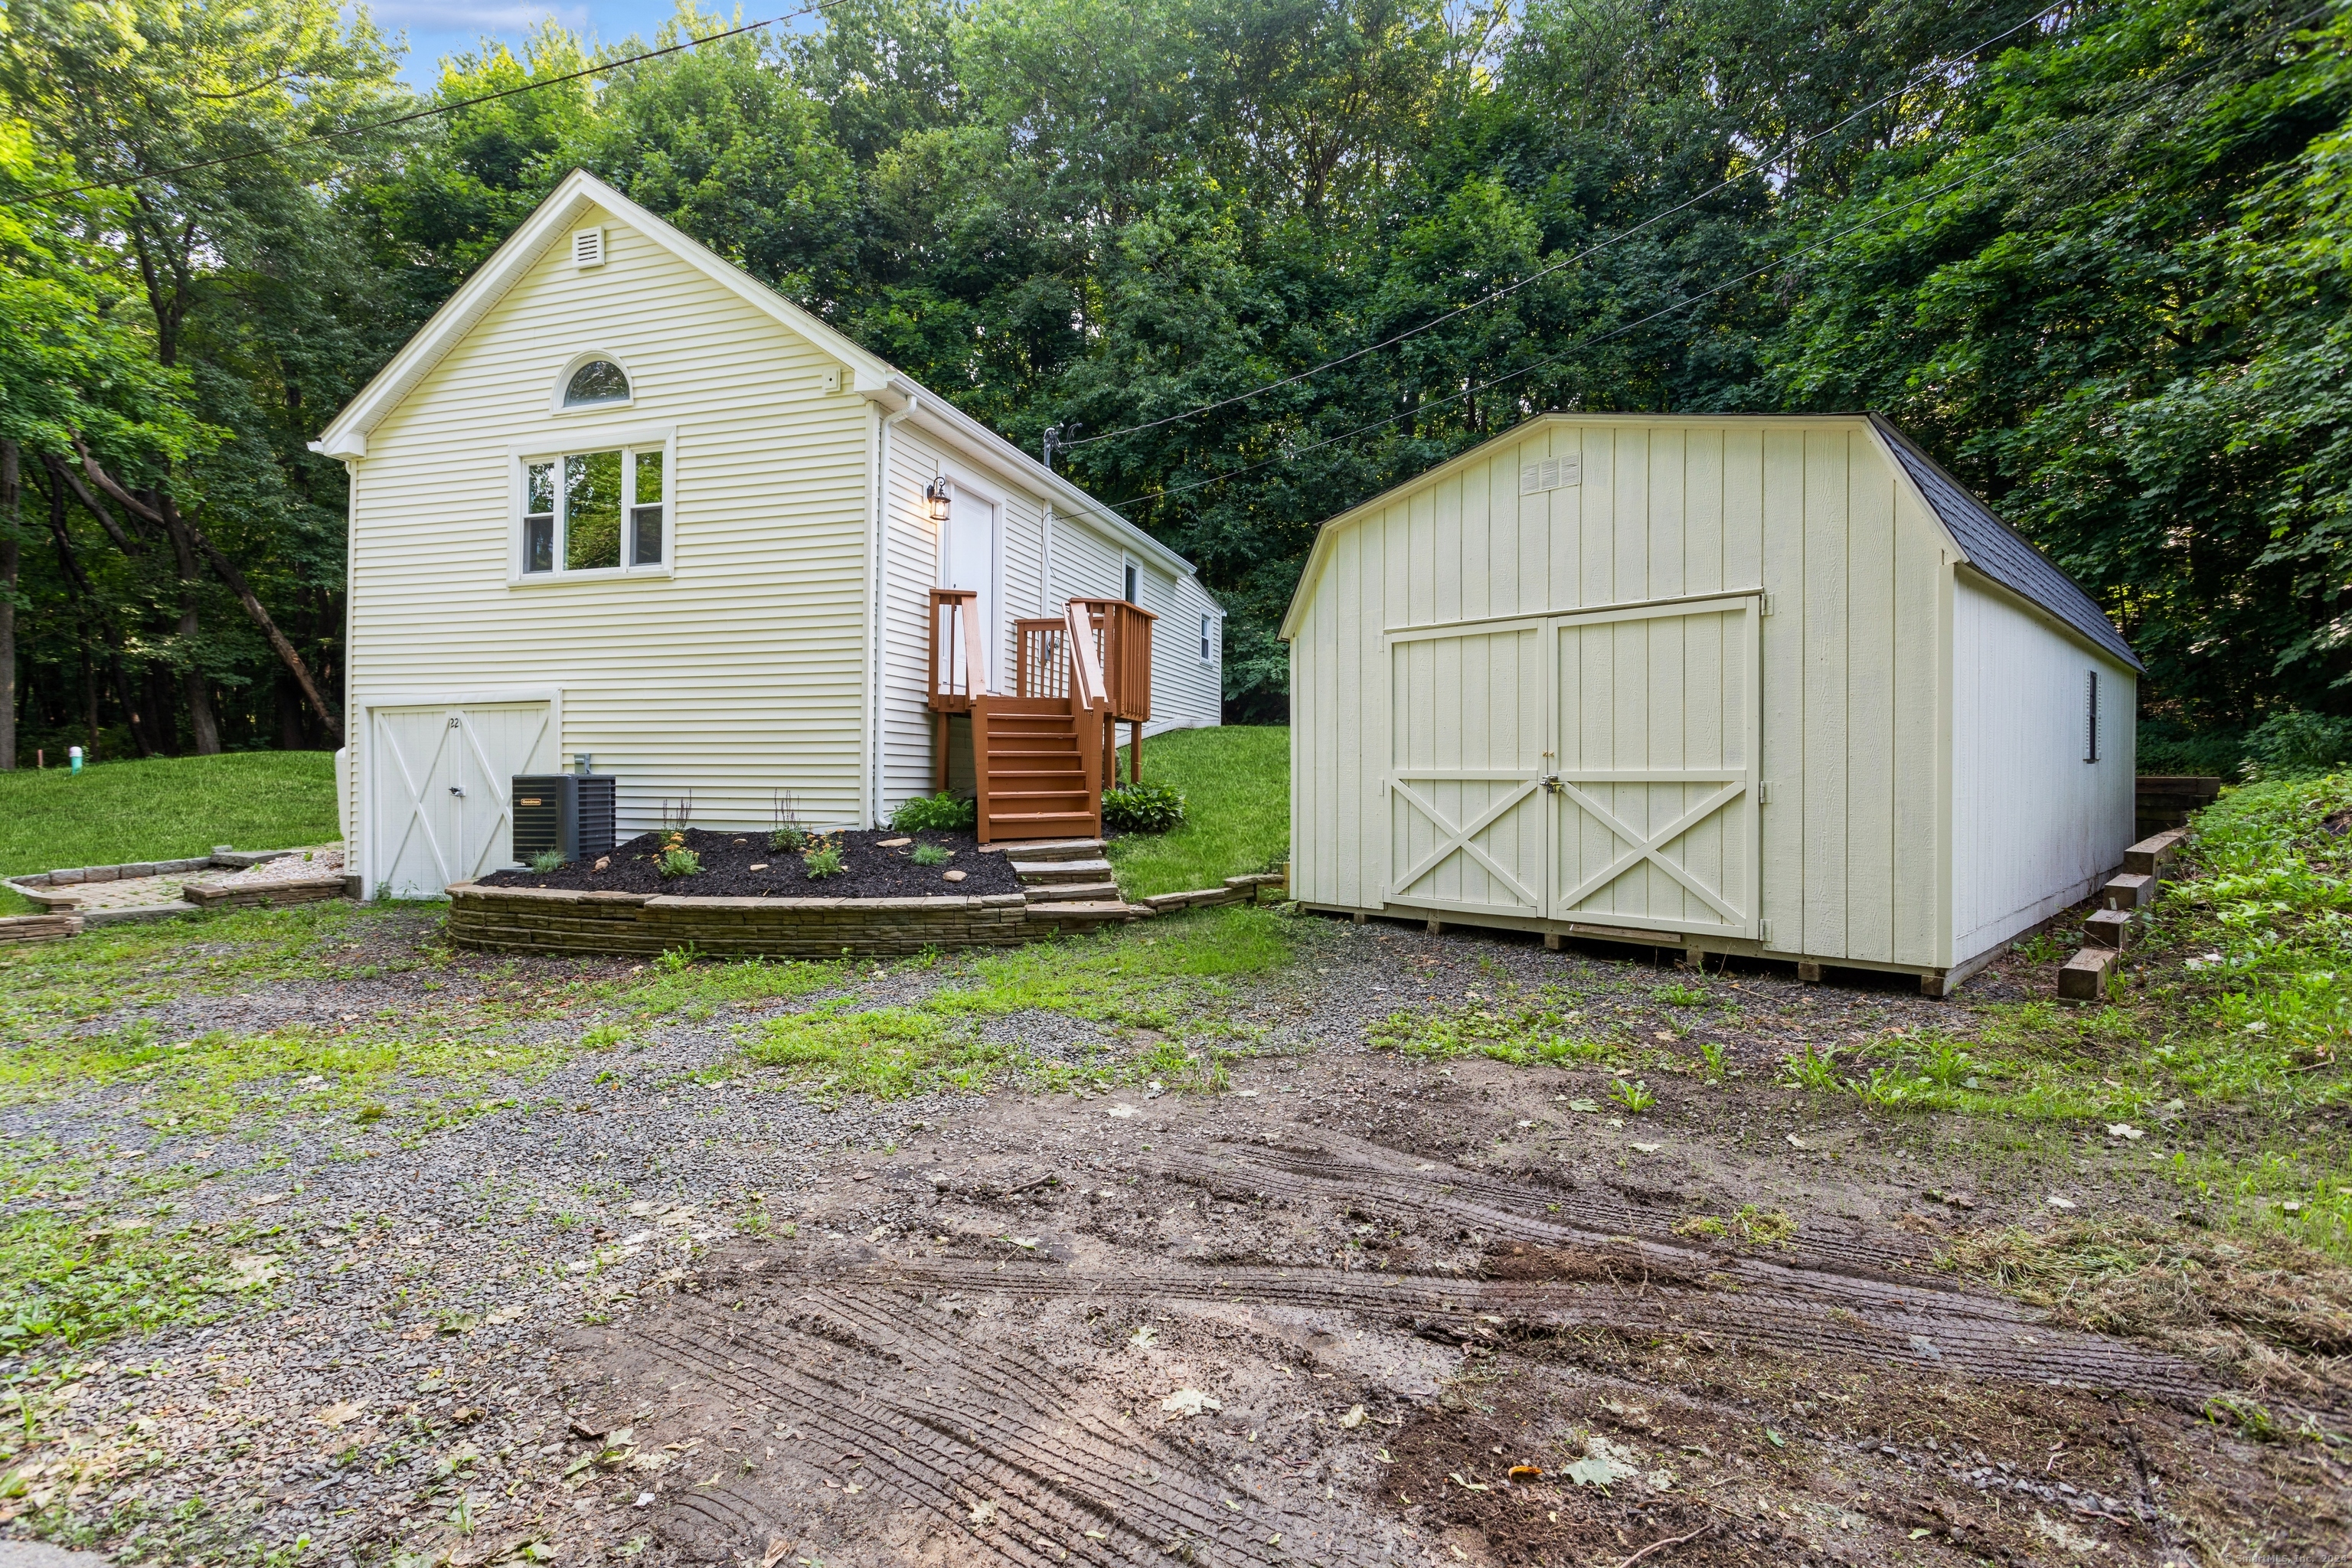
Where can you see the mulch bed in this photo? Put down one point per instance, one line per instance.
(742, 865)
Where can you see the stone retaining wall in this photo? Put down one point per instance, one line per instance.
(552, 920)
(19, 929)
(290, 890)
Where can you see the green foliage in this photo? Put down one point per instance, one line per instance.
(823, 861)
(547, 861)
(788, 840)
(940, 813)
(1633, 1094)
(1155, 981)
(678, 862)
(1236, 783)
(1810, 1068)
(931, 854)
(1543, 1029)
(2295, 743)
(1149, 807)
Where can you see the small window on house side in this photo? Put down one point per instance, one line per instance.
(598, 381)
(1129, 592)
(1208, 631)
(2091, 716)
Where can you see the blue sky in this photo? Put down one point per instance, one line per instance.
(438, 28)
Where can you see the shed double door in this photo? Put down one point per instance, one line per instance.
(438, 781)
(1596, 768)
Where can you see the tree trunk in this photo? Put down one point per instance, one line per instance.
(12, 481)
(95, 622)
(90, 700)
(202, 721)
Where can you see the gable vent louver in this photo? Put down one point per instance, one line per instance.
(588, 248)
(1551, 474)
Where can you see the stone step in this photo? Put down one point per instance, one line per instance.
(1015, 826)
(2083, 977)
(1164, 903)
(1087, 870)
(1033, 849)
(2107, 928)
(1063, 892)
(2131, 890)
(1075, 912)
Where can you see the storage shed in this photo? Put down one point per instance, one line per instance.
(1765, 685)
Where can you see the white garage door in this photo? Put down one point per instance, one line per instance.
(1655, 796)
(1465, 811)
(438, 779)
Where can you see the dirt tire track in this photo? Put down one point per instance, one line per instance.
(1051, 1474)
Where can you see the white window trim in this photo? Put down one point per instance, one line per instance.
(555, 404)
(1215, 625)
(554, 447)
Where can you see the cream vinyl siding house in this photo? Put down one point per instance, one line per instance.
(618, 499)
(1776, 686)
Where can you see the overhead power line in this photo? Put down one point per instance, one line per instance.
(432, 111)
(1587, 340)
(1942, 63)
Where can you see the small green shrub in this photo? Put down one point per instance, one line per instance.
(547, 860)
(823, 861)
(931, 854)
(678, 862)
(1634, 1095)
(1142, 808)
(940, 813)
(788, 840)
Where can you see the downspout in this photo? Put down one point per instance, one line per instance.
(877, 618)
(357, 850)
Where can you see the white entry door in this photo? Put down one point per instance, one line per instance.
(968, 559)
(1465, 782)
(438, 780)
(1654, 819)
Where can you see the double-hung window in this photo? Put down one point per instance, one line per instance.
(601, 509)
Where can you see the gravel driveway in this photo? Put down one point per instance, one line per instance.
(423, 1289)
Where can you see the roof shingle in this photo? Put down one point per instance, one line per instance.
(1999, 551)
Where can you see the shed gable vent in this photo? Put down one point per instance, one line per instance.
(1551, 474)
(588, 248)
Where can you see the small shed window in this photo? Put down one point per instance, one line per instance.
(594, 511)
(2091, 716)
(598, 381)
(1208, 638)
(1126, 589)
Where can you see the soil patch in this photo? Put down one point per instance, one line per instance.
(876, 864)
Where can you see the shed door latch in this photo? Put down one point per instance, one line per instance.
(1551, 783)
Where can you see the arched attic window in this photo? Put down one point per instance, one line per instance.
(593, 382)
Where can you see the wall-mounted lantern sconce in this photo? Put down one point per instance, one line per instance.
(936, 497)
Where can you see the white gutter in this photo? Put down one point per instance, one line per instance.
(877, 557)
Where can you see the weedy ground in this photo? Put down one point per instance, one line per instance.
(304, 1213)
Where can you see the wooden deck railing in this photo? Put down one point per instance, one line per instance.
(1042, 666)
(958, 664)
(1122, 639)
(1089, 704)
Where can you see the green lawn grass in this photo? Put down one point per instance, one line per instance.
(165, 808)
(1236, 785)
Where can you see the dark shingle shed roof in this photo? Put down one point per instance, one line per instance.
(1999, 551)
